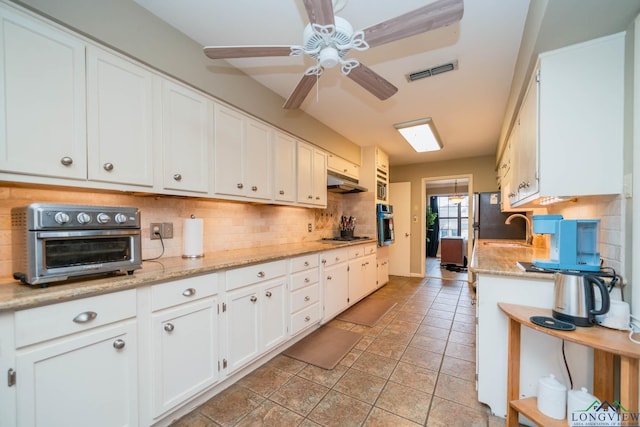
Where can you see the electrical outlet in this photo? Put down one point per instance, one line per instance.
(165, 229)
(309, 228)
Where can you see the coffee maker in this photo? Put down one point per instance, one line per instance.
(573, 243)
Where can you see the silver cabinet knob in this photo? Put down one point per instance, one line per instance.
(317, 197)
(261, 274)
(239, 185)
(108, 167)
(268, 294)
(306, 319)
(177, 177)
(307, 298)
(406, 234)
(254, 298)
(189, 292)
(66, 161)
(254, 188)
(309, 196)
(85, 317)
(306, 263)
(306, 280)
(281, 192)
(118, 344)
(169, 327)
(328, 277)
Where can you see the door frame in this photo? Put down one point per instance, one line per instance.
(423, 211)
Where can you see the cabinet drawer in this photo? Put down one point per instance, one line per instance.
(356, 251)
(304, 262)
(304, 278)
(52, 321)
(370, 249)
(184, 290)
(255, 273)
(335, 256)
(305, 297)
(305, 318)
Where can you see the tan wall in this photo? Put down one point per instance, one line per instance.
(484, 179)
(129, 28)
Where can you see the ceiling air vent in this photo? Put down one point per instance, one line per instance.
(438, 69)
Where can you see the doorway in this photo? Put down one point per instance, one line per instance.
(448, 213)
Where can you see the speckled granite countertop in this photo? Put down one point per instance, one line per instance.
(501, 257)
(15, 296)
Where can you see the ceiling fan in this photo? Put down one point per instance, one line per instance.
(328, 39)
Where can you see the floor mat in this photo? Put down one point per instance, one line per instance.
(325, 347)
(367, 312)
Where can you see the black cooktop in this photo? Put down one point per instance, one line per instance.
(344, 238)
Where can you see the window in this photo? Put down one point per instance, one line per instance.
(453, 217)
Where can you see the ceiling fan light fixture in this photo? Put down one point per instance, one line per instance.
(329, 57)
(421, 134)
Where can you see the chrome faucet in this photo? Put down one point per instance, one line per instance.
(529, 233)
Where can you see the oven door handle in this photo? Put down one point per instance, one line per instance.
(85, 233)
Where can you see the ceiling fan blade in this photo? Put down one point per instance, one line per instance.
(435, 15)
(300, 92)
(224, 52)
(372, 81)
(320, 11)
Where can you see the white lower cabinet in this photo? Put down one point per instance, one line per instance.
(184, 340)
(335, 283)
(79, 371)
(255, 312)
(362, 272)
(383, 271)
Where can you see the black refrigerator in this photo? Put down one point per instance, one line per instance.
(489, 221)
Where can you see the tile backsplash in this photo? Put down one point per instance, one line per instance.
(227, 225)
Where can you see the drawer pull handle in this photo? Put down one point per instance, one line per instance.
(306, 319)
(239, 185)
(85, 317)
(268, 294)
(282, 192)
(261, 274)
(328, 277)
(307, 298)
(306, 280)
(108, 167)
(254, 188)
(254, 298)
(118, 344)
(66, 161)
(169, 327)
(189, 292)
(177, 177)
(306, 263)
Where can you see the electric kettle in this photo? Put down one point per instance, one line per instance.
(574, 298)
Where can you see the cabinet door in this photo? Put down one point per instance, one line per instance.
(357, 288)
(273, 307)
(256, 160)
(185, 355)
(119, 120)
(528, 142)
(186, 135)
(284, 168)
(336, 290)
(319, 178)
(242, 326)
(305, 173)
(228, 136)
(87, 379)
(42, 100)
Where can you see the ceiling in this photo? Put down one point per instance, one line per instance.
(467, 105)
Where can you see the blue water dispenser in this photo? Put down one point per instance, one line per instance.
(573, 243)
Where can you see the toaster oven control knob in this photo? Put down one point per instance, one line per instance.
(61, 218)
(83, 218)
(120, 218)
(103, 218)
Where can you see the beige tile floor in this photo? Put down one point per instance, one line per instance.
(415, 368)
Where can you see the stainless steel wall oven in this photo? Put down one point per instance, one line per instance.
(54, 242)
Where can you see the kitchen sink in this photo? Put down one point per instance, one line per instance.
(506, 244)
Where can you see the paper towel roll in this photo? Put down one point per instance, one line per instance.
(192, 238)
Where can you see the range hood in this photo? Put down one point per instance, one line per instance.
(338, 183)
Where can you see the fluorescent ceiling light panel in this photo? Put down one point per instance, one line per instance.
(421, 134)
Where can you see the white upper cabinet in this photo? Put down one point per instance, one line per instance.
(119, 119)
(312, 175)
(284, 168)
(343, 166)
(574, 121)
(242, 155)
(42, 99)
(187, 122)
